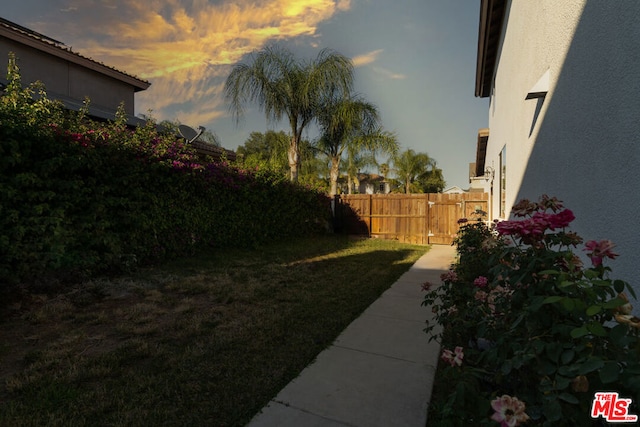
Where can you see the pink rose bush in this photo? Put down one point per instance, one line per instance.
(535, 322)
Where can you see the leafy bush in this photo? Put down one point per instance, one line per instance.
(535, 332)
(79, 197)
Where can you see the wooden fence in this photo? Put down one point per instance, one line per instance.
(412, 218)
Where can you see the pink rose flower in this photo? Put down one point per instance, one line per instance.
(599, 250)
(453, 357)
(509, 411)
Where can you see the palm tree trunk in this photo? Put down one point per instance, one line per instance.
(294, 158)
(335, 172)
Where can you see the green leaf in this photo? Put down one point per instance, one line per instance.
(597, 329)
(579, 332)
(609, 372)
(569, 304)
(562, 382)
(569, 398)
(552, 410)
(590, 365)
(567, 356)
(618, 335)
(553, 351)
(538, 346)
(566, 284)
(568, 370)
(553, 272)
(506, 367)
(590, 274)
(602, 283)
(552, 299)
(618, 285)
(593, 310)
(546, 367)
(616, 302)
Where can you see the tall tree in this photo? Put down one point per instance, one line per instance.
(265, 150)
(409, 166)
(432, 180)
(284, 86)
(351, 123)
(357, 159)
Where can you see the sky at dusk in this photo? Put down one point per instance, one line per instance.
(414, 59)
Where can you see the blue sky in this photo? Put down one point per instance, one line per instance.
(415, 59)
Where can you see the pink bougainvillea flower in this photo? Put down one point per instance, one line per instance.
(453, 357)
(599, 250)
(509, 411)
(481, 282)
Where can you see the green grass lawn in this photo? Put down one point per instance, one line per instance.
(205, 341)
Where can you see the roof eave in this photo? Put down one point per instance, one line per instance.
(138, 84)
(481, 151)
(489, 32)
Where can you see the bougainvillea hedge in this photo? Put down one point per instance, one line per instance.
(78, 197)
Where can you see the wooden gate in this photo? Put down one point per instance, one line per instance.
(412, 218)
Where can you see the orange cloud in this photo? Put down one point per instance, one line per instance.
(186, 48)
(366, 58)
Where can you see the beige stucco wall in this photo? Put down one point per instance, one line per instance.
(585, 145)
(536, 38)
(61, 77)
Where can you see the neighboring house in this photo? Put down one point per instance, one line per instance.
(453, 190)
(69, 76)
(372, 184)
(563, 78)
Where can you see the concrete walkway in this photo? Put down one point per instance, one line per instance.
(378, 372)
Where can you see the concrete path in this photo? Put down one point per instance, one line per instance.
(378, 372)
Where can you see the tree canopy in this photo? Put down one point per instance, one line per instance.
(417, 173)
(352, 124)
(285, 87)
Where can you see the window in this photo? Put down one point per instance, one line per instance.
(382, 187)
(503, 181)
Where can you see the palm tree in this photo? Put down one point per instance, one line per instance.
(351, 123)
(282, 86)
(383, 168)
(409, 166)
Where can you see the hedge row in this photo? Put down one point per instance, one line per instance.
(81, 197)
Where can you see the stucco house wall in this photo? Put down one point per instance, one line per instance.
(67, 75)
(580, 142)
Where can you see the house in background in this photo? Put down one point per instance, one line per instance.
(67, 75)
(563, 78)
(372, 184)
(71, 77)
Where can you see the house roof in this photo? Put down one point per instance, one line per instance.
(54, 47)
(491, 21)
(370, 177)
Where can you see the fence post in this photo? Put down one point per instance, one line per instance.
(336, 211)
